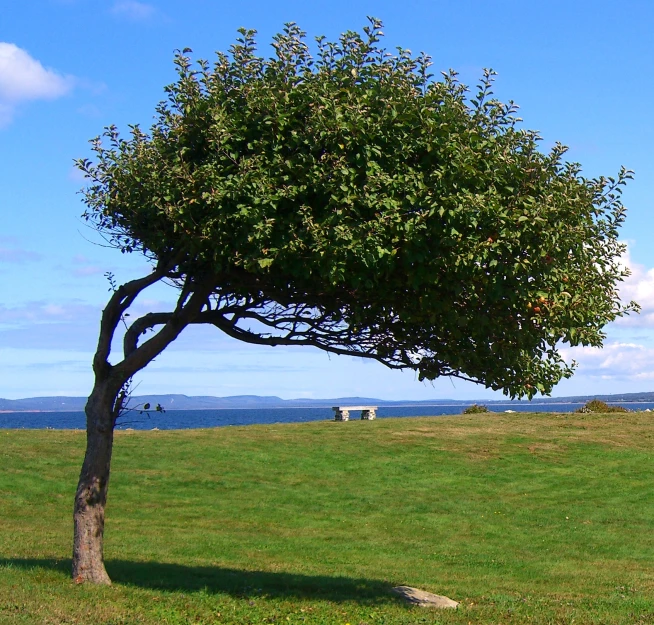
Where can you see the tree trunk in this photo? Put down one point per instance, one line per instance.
(106, 401)
(91, 495)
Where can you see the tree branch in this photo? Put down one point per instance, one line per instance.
(139, 327)
(191, 301)
(119, 302)
(324, 340)
(299, 324)
(292, 339)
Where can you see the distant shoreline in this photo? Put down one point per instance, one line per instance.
(203, 403)
(461, 404)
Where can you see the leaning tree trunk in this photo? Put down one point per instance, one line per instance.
(91, 495)
(105, 402)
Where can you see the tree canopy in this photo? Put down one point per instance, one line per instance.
(351, 202)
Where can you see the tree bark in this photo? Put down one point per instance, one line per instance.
(91, 495)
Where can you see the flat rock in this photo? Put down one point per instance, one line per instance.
(423, 598)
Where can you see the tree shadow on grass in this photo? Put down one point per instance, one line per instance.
(172, 577)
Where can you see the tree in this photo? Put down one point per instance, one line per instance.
(350, 203)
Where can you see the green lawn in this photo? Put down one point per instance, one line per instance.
(523, 518)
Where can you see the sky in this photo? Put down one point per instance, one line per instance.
(580, 72)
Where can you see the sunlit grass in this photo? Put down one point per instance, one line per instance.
(535, 518)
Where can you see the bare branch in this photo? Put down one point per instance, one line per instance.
(340, 342)
(296, 324)
(352, 349)
(119, 302)
(140, 326)
(191, 301)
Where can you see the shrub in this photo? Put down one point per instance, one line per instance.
(597, 406)
(475, 409)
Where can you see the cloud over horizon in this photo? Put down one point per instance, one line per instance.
(23, 78)
(615, 361)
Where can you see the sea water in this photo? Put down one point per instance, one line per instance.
(185, 419)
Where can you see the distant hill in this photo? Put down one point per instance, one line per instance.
(184, 402)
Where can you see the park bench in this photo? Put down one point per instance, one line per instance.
(343, 412)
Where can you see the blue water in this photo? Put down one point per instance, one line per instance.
(185, 419)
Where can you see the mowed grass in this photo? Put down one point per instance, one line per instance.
(523, 518)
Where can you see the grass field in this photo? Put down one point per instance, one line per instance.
(523, 518)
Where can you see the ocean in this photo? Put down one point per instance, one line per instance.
(186, 419)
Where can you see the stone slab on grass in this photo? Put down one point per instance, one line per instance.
(423, 598)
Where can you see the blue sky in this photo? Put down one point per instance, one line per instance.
(580, 71)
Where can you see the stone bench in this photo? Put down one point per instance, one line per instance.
(343, 412)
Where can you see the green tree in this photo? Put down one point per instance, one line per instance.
(351, 203)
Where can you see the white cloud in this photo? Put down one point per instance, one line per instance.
(615, 361)
(23, 78)
(625, 360)
(639, 286)
(133, 10)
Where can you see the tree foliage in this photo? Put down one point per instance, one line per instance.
(350, 201)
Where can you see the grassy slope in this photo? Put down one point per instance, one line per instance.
(524, 518)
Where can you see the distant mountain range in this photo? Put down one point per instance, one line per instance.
(184, 402)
